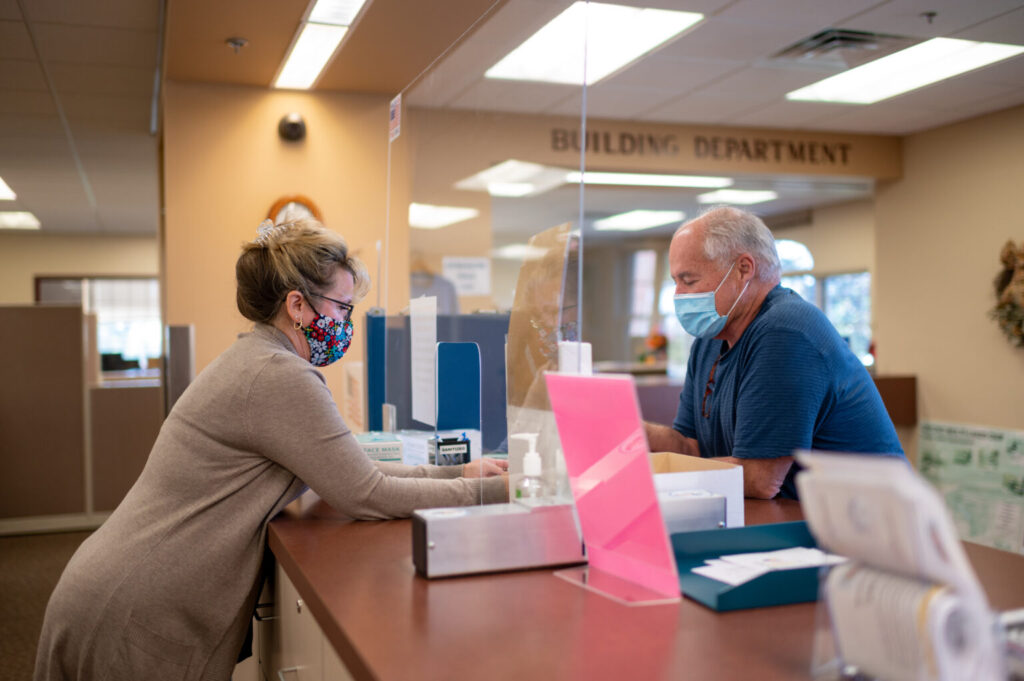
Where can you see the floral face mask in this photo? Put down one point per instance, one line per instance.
(328, 339)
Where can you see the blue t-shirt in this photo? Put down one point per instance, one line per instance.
(790, 382)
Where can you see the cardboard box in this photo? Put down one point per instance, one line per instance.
(679, 472)
(779, 587)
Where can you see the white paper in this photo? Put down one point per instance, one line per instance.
(471, 276)
(730, 574)
(423, 346)
(739, 568)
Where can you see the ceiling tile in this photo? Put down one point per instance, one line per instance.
(609, 101)
(786, 114)
(101, 79)
(1005, 28)
(905, 17)
(718, 38)
(673, 75)
(1009, 72)
(82, 45)
(107, 113)
(9, 11)
(762, 81)
(875, 119)
(813, 15)
(21, 74)
(21, 129)
(950, 95)
(704, 108)
(485, 46)
(510, 95)
(27, 103)
(15, 42)
(138, 14)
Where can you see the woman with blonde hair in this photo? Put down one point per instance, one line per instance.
(166, 588)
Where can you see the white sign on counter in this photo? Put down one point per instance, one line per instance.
(423, 346)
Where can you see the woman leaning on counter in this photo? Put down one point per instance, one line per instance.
(165, 589)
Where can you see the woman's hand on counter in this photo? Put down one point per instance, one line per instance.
(484, 468)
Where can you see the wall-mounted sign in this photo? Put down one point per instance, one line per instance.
(979, 472)
(768, 150)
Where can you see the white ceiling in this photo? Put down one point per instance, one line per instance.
(76, 86)
(720, 72)
(77, 83)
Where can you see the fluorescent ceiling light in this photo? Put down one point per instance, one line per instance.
(6, 193)
(741, 197)
(309, 54)
(611, 36)
(649, 180)
(519, 252)
(426, 216)
(335, 12)
(636, 220)
(515, 178)
(909, 69)
(18, 219)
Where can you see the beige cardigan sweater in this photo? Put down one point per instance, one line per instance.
(166, 587)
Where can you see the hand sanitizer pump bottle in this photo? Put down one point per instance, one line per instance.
(530, 486)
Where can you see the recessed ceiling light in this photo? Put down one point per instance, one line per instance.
(6, 193)
(650, 180)
(611, 36)
(519, 252)
(427, 216)
(909, 69)
(18, 219)
(335, 12)
(515, 178)
(636, 220)
(740, 197)
(309, 55)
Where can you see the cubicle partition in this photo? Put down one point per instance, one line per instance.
(71, 445)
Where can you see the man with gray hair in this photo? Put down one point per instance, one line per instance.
(767, 373)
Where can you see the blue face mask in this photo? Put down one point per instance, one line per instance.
(698, 314)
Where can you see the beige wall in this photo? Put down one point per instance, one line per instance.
(841, 238)
(939, 232)
(224, 165)
(26, 256)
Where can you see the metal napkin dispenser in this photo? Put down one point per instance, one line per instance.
(493, 538)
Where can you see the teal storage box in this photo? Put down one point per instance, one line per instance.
(780, 587)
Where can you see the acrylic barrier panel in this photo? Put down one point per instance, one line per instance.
(543, 314)
(610, 474)
(389, 369)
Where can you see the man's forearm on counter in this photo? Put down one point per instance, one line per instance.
(667, 439)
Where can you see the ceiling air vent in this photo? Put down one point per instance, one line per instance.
(838, 48)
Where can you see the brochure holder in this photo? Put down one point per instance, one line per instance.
(907, 605)
(779, 587)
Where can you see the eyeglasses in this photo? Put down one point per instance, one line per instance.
(346, 308)
(707, 390)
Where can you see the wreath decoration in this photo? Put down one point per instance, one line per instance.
(1009, 288)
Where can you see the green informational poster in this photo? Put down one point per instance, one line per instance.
(980, 473)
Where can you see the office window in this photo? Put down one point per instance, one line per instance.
(128, 328)
(844, 298)
(642, 302)
(847, 304)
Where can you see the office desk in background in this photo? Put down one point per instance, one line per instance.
(384, 622)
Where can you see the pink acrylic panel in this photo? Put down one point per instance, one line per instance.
(606, 456)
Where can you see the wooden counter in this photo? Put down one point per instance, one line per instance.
(385, 622)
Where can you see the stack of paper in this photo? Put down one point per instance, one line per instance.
(739, 568)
